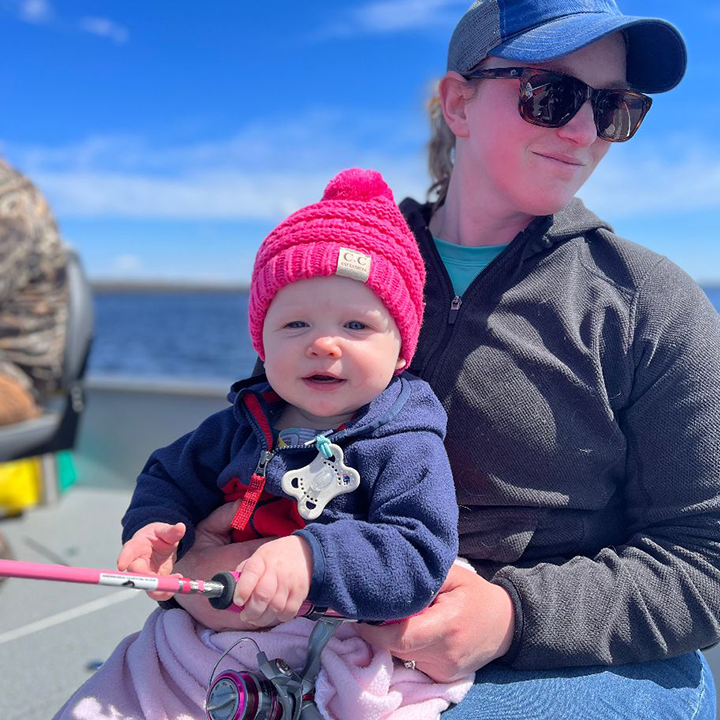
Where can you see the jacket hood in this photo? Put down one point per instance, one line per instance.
(421, 410)
(575, 219)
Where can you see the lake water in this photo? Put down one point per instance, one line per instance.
(195, 336)
(198, 336)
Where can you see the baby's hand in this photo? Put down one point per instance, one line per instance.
(152, 549)
(274, 581)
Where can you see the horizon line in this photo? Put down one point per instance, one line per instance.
(158, 285)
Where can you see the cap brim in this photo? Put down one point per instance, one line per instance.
(657, 57)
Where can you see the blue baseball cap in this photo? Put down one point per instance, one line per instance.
(541, 30)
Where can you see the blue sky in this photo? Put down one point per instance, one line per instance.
(171, 136)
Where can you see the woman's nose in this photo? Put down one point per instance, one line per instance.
(324, 345)
(581, 128)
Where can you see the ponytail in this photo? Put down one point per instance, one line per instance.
(441, 147)
(441, 152)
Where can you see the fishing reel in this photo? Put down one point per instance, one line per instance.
(275, 691)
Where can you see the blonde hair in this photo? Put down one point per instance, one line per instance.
(441, 152)
(441, 146)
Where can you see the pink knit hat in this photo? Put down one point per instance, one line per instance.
(357, 231)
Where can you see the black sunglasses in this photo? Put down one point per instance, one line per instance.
(552, 99)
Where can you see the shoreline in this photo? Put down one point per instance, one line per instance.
(106, 287)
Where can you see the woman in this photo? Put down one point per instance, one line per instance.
(581, 375)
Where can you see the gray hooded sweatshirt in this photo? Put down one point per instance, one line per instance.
(581, 377)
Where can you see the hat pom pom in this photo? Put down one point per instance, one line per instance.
(357, 184)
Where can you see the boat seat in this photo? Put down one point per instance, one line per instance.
(56, 428)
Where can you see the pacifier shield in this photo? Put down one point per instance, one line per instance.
(319, 482)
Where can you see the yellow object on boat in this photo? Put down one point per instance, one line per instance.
(20, 485)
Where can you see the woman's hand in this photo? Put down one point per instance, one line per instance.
(470, 624)
(213, 552)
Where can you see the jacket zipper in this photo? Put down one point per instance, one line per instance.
(429, 370)
(265, 457)
(245, 512)
(454, 308)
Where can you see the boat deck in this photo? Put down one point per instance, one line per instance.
(52, 635)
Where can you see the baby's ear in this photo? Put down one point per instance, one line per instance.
(401, 363)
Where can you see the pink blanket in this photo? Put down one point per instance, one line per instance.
(161, 673)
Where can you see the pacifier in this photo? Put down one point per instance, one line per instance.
(326, 477)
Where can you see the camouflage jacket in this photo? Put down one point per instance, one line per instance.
(33, 292)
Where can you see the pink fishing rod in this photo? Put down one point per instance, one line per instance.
(219, 590)
(113, 578)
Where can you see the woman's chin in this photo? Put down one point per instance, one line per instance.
(549, 204)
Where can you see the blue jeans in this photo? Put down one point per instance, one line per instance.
(680, 688)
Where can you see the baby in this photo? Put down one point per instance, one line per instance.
(338, 453)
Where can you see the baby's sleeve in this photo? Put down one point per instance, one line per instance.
(391, 564)
(179, 482)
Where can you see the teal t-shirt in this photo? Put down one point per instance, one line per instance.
(463, 263)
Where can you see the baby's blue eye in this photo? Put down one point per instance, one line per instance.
(355, 325)
(296, 324)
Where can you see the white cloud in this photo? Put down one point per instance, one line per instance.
(35, 11)
(304, 139)
(219, 195)
(394, 15)
(42, 12)
(105, 28)
(239, 195)
(124, 264)
(264, 171)
(391, 16)
(270, 168)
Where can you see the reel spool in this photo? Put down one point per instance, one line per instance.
(276, 692)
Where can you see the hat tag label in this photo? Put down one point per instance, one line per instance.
(353, 264)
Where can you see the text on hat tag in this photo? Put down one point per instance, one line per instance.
(353, 264)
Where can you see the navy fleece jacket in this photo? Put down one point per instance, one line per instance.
(379, 552)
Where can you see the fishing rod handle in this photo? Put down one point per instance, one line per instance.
(224, 601)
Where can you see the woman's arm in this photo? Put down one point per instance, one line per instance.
(656, 594)
(653, 593)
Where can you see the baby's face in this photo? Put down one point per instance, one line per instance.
(331, 346)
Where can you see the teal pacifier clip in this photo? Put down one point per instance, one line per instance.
(323, 446)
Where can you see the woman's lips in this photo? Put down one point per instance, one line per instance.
(562, 160)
